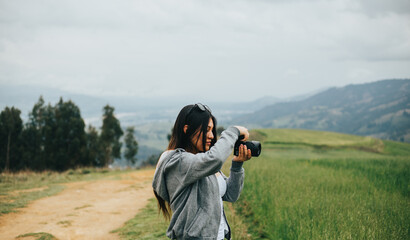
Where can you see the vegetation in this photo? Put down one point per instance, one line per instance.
(305, 185)
(11, 126)
(37, 236)
(54, 138)
(131, 145)
(312, 185)
(321, 185)
(110, 136)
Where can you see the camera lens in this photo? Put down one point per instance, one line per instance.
(254, 146)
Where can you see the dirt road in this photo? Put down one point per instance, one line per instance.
(84, 210)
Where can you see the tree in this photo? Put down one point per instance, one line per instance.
(11, 126)
(49, 143)
(111, 133)
(94, 150)
(54, 137)
(30, 148)
(131, 145)
(33, 137)
(68, 136)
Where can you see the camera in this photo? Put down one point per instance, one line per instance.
(254, 146)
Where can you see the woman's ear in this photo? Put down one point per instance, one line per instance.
(185, 128)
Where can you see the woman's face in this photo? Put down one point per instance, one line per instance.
(197, 138)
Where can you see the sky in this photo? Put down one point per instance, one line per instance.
(232, 50)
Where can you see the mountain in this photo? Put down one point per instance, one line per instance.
(152, 117)
(379, 109)
(131, 110)
(139, 109)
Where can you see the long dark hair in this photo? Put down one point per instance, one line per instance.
(197, 118)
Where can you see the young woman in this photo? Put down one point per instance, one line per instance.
(188, 182)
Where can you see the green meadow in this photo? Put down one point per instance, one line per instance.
(305, 185)
(323, 185)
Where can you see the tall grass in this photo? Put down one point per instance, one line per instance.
(318, 185)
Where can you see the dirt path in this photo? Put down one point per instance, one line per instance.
(84, 210)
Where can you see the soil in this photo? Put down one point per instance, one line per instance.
(84, 210)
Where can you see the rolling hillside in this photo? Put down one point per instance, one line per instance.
(379, 109)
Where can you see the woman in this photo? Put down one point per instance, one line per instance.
(188, 180)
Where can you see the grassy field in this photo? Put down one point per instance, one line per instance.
(313, 185)
(305, 185)
(321, 185)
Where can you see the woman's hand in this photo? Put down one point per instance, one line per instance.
(244, 154)
(243, 132)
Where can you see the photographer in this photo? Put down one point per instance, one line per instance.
(188, 182)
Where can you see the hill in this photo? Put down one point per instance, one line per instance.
(379, 109)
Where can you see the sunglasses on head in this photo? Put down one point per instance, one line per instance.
(201, 107)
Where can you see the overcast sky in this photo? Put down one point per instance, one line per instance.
(230, 50)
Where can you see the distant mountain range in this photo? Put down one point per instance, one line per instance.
(152, 117)
(131, 110)
(379, 109)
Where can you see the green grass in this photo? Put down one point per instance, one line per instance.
(37, 236)
(19, 189)
(320, 185)
(318, 140)
(305, 185)
(312, 185)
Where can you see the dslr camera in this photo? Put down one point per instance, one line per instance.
(254, 146)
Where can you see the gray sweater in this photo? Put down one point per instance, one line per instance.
(188, 182)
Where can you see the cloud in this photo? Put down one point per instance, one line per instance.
(163, 47)
(375, 8)
(360, 37)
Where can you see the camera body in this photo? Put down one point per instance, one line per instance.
(254, 146)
